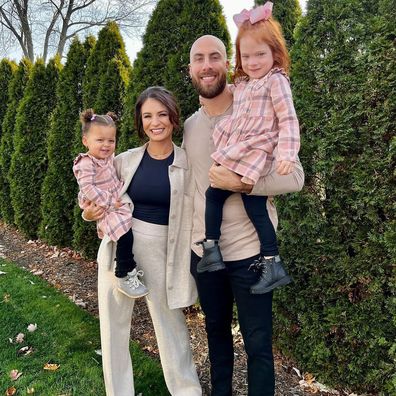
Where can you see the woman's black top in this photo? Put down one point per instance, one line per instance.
(150, 190)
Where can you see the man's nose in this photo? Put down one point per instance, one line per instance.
(207, 64)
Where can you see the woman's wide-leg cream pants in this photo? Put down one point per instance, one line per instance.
(115, 311)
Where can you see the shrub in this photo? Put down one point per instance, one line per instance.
(29, 159)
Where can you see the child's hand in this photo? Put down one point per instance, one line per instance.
(118, 204)
(284, 167)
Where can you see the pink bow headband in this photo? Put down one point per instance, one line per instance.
(257, 14)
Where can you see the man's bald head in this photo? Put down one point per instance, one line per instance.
(208, 41)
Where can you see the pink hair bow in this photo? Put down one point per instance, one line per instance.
(257, 14)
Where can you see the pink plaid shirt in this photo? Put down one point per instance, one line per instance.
(263, 117)
(99, 183)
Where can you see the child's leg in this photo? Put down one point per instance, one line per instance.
(212, 259)
(269, 265)
(125, 270)
(215, 199)
(124, 257)
(256, 208)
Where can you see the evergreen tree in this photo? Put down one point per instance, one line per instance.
(104, 85)
(29, 159)
(7, 70)
(287, 13)
(338, 234)
(15, 94)
(164, 58)
(109, 45)
(59, 190)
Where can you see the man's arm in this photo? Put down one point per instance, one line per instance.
(272, 184)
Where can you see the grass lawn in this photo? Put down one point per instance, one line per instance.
(66, 335)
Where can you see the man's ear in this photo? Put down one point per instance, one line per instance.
(189, 70)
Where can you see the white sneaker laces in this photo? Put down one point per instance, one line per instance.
(133, 280)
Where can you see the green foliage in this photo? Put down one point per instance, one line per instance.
(164, 58)
(338, 235)
(104, 86)
(7, 70)
(15, 94)
(59, 188)
(65, 335)
(29, 159)
(287, 13)
(109, 45)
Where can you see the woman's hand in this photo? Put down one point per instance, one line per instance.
(223, 178)
(93, 212)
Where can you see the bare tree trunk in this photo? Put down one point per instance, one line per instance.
(51, 29)
(22, 10)
(65, 25)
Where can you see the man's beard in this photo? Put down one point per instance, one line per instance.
(210, 92)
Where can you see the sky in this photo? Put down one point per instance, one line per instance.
(230, 7)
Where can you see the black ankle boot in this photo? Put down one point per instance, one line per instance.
(272, 275)
(212, 260)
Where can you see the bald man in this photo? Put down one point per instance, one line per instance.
(239, 241)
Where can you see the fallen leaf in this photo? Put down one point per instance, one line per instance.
(26, 350)
(11, 391)
(15, 374)
(2, 273)
(6, 298)
(38, 272)
(30, 391)
(51, 366)
(10, 339)
(309, 378)
(32, 327)
(98, 352)
(20, 338)
(297, 371)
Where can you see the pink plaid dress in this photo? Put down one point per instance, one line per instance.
(263, 117)
(99, 183)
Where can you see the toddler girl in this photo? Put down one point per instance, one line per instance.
(262, 127)
(98, 182)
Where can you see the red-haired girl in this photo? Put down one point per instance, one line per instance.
(262, 128)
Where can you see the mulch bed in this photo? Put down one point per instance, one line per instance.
(77, 278)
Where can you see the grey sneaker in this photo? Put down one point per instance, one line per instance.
(131, 285)
(272, 275)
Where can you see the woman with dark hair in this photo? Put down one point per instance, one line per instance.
(157, 186)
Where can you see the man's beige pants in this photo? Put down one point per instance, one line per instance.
(115, 311)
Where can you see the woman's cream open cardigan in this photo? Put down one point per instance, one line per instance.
(180, 285)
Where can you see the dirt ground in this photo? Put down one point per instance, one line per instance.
(77, 278)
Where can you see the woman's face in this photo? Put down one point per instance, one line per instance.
(156, 123)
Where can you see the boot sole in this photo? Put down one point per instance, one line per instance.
(134, 297)
(211, 268)
(282, 282)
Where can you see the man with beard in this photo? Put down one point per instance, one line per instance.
(239, 241)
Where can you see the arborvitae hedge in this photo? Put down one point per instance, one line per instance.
(338, 235)
(164, 58)
(29, 159)
(109, 45)
(7, 70)
(287, 13)
(59, 188)
(104, 86)
(15, 94)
